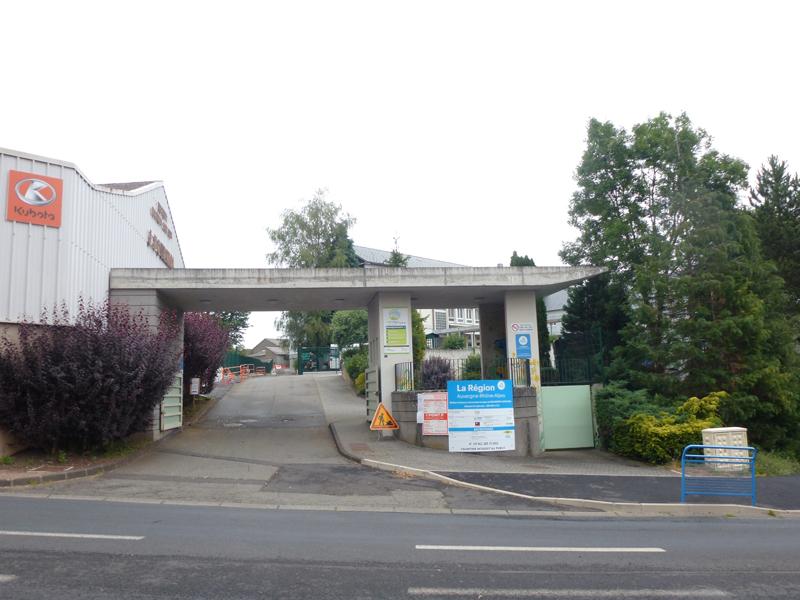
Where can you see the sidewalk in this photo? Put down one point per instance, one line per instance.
(588, 476)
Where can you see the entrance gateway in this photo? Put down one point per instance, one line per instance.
(505, 297)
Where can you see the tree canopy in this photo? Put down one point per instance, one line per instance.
(316, 236)
(235, 323)
(776, 208)
(689, 306)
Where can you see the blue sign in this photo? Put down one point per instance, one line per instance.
(524, 345)
(480, 415)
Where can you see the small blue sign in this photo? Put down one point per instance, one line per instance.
(524, 345)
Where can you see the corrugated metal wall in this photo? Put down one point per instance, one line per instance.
(41, 267)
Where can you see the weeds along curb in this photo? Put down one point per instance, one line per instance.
(88, 471)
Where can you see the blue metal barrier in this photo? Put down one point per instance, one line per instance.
(725, 460)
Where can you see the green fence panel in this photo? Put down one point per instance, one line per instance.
(566, 414)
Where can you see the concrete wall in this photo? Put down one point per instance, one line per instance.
(526, 423)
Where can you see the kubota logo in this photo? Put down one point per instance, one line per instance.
(34, 199)
(35, 192)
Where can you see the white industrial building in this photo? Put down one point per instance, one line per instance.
(62, 234)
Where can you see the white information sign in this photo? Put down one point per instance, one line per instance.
(480, 415)
(432, 413)
(195, 386)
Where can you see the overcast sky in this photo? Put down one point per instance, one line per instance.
(455, 126)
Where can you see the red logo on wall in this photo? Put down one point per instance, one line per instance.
(34, 199)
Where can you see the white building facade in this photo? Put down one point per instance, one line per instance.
(61, 235)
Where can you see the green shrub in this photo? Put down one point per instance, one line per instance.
(615, 403)
(454, 341)
(361, 384)
(472, 367)
(776, 463)
(660, 438)
(356, 363)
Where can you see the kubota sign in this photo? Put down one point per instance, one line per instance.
(34, 199)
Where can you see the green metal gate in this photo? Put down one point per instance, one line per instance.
(323, 358)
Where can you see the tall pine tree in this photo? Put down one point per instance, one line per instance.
(776, 208)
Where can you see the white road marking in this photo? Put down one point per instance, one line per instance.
(539, 548)
(80, 536)
(7, 578)
(567, 593)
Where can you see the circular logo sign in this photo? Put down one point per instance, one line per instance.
(35, 192)
(522, 340)
(501, 385)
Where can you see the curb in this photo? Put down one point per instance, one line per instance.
(621, 509)
(87, 472)
(340, 446)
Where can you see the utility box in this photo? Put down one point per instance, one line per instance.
(726, 436)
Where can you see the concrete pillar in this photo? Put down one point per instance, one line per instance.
(493, 333)
(151, 305)
(521, 322)
(390, 341)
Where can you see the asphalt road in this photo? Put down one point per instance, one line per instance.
(200, 552)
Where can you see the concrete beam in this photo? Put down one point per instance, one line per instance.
(314, 289)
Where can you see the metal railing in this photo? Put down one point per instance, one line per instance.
(569, 371)
(725, 471)
(435, 372)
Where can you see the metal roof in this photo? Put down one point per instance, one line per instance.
(127, 187)
(373, 256)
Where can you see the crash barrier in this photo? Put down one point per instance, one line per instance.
(718, 471)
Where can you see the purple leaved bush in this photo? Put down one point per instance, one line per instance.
(205, 341)
(82, 383)
(436, 372)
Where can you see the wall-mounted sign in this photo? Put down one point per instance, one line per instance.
(432, 413)
(160, 249)
(523, 343)
(160, 216)
(34, 199)
(480, 415)
(395, 327)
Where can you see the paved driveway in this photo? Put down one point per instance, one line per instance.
(268, 442)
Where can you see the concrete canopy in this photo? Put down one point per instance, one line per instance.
(316, 289)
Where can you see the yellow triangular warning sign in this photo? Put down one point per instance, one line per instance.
(383, 419)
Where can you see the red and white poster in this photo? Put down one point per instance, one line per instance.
(432, 413)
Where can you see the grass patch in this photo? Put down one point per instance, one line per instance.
(192, 407)
(121, 449)
(776, 463)
(6, 460)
